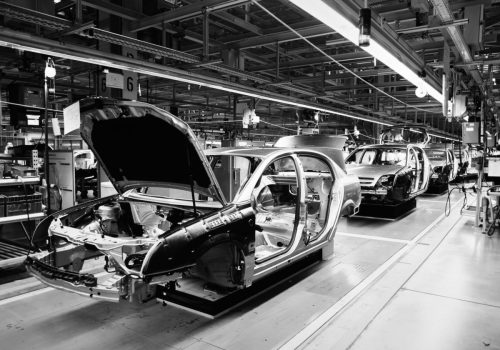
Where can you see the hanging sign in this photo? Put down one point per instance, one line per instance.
(114, 80)
(71, 117)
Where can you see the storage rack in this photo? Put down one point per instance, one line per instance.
(12, 254)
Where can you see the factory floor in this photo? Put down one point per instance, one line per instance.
(424, 281)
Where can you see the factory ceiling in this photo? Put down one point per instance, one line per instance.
(204, 58)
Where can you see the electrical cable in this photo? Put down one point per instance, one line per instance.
(360, 134)
(447, 206)
(32, 107)
(277, 126)
(333, 59)
(41, 136)
(464, 204)
(239, 121)
(30, 234)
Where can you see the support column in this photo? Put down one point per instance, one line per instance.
(206, 35)
(104, 22)
(446, 78)
(131, 79)
(277, 60)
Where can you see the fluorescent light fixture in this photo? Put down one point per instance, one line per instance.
(162, 74)
(166, 75)
(50, 69)
(420, 92)
(333, 19)
(365, 23)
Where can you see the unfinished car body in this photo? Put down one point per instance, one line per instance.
(392, 172)
(227, 217)
(443, 163)
(332, 146)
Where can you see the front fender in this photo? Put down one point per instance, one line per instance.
(402, 185)
(352, 191)
(182, 248)
(352, 195)
(40, 235)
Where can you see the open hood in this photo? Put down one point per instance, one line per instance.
(140, 145)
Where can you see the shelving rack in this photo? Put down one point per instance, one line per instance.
(12, 253)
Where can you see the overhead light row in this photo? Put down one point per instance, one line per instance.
(335, 20)
(129, 67)
(161, 74)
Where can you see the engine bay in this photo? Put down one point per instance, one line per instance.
(120, 230)
(126, 219)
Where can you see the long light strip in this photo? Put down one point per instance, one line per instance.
(157, 73)
(329, 16)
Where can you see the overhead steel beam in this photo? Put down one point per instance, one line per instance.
(28, 42)
(425, 28)
(112, 9)
(313, 61)
(445, 13)
(363, 86)
(135, 16)
(63, 5)
(492, 21)
(281, 36)
(313, 79)
(125, 41)
(384, 35)
(36, 17)
(426, 45)
(186, 12)
(239, 22)
(384, 8)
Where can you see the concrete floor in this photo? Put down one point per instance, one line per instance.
(422, 282)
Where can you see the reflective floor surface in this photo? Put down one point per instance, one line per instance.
(386, 280)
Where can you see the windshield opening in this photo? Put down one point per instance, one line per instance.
(378, 156)
(232, 172)
(436, 155)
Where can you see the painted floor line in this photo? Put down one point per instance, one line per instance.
(36, 292)
(326, 316)
(451, 298)
(25, 295)
(375, 238)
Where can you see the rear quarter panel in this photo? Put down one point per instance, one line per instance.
(352, 194)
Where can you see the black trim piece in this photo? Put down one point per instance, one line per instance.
(54, 273)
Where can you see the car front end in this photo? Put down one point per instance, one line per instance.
(162, 223)
(379, 183)
(122, 248)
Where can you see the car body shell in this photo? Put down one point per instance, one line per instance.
(395, 182)
(444, 164)
(333, 147)
(149, 239)
(467, 158)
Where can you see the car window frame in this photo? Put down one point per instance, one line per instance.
(299, 205)
(327, 161)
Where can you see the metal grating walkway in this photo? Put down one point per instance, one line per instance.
(11, 255)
